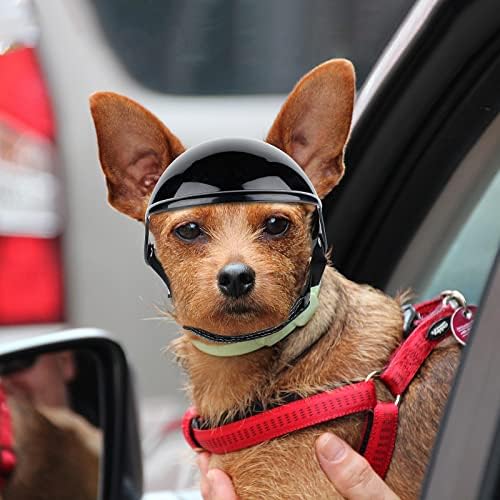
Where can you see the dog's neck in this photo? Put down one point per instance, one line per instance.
(356, 325)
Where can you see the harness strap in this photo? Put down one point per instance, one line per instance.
(409, 357)
(428, 306)
(7, 455)
(382, 438)
(281, 420)
(431, 326)
(397, 376)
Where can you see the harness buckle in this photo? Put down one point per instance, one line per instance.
(376, 373)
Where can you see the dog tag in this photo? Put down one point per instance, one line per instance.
(461, 323)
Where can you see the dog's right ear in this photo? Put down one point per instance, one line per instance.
(313, 124)
(134, 148)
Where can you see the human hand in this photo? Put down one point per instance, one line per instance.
(348, 471)
(215, 484)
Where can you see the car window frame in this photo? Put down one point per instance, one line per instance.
(391, 153)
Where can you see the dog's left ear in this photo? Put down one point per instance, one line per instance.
(314, 123)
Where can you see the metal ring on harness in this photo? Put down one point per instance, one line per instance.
(372, 375)
(450, 296)
(376, 373)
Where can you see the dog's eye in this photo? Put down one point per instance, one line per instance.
(276, 225)
(189, 231)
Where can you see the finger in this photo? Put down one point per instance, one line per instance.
(221, 487)
(349, 472)
(205, 488)
(202, 461)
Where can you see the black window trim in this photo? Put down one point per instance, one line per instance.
(406, 144)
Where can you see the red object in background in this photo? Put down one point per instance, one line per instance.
(31, 279)
(31, 283)
(24, 101)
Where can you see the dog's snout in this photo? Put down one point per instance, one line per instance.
(236, 279)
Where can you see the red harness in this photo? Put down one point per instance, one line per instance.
(7, 455)
(434, 320)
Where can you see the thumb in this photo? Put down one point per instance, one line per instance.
(349, 472)
(220, 486)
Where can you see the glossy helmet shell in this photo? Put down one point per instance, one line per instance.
(235, 170)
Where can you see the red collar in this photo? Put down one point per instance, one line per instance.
(7, 455)
(434, 321)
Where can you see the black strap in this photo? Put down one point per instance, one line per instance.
(299, 306)
(156, 265)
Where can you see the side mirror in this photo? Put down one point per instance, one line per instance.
(73, 416)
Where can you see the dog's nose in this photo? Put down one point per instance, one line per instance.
(236, 279)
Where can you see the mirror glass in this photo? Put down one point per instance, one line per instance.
(55, 402)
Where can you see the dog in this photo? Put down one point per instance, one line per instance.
(354, 331)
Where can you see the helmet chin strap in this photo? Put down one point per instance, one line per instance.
(237, 345)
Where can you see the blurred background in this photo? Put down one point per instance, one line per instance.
(207, 68)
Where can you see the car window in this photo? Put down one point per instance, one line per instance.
(457, 243)
(471, 254)
(243, 47)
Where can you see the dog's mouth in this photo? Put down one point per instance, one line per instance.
(238, 308)
(237, 316)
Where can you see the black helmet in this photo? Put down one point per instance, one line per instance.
(237, 170)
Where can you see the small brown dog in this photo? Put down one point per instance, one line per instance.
(353, 333)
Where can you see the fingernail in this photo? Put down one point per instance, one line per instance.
(331, 448)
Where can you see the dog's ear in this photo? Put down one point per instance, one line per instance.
(134, 149)
(314, 123)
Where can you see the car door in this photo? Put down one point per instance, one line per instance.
(420, 208)
(466, 461)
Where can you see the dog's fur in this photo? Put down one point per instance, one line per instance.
(354, 331)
